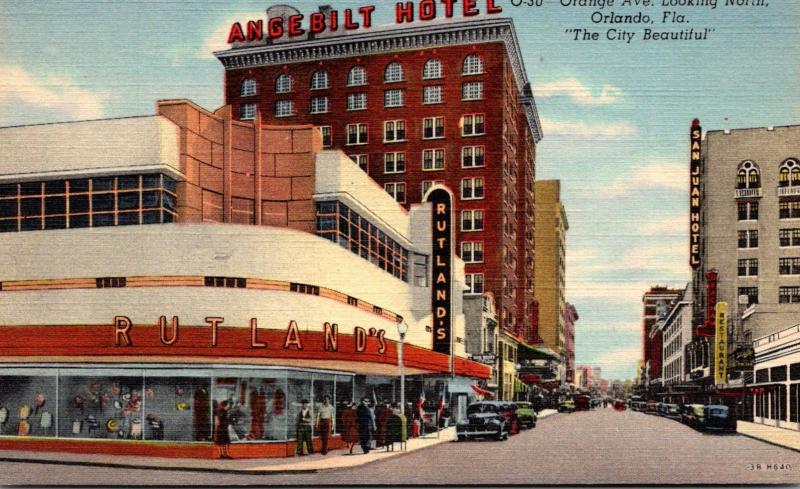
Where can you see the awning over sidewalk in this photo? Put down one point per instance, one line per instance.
(482, 392)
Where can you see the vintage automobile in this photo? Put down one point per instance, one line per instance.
(509, 411)
(619, 404)
(582, 403)
(484, 420)
(526, 415)
(718, 417)
(566, 406)
(695, 416)
(671, 411)
(651, 408)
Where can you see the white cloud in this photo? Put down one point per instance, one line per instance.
(18, 87)
(588, 130)
(671, 225)
(655, 175)
(613, 327)
(578, 92)
(622, 360)
(217, 40)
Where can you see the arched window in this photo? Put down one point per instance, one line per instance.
(473, 65)
(432, 69)
(248, 87)
(393, 73)
(319, 80)
(283, 84)
(789, 173)
(357, 76)
(748, 176)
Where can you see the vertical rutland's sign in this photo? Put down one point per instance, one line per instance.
(696, 169)
(441, 290)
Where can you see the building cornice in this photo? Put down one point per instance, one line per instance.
(422, 36)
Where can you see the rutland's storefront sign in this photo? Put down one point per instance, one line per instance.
(696, 168)
(441, 290)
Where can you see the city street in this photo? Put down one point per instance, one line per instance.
(601, 446)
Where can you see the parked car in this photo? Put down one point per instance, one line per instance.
(686, 410)
(619, 404)
(509, 411)
(582, 403)
(651, 408)
(718, 417)
(484, 420)
(671, 411)
(526, 415)
(567, 406)
(695, 416)
(661, 408)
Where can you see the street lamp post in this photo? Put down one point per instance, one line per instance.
(402, 328)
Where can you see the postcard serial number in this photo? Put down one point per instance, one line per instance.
(768, 467)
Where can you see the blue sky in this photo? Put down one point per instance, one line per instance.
(616, 116)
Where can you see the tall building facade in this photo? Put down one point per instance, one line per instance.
(551, 233)
(750, 222)
(657, 302)
(413, 105)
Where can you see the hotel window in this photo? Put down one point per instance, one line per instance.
(472, 188)
(433, 159)
(248, 87)
(319, 105)
(342, 225)
(472, 156)
(789, 237)
(427, 184)
(472, 251)
(394, 98)
(394, 131)
(283, 84)
(247, 112)
(88, 202)
(394, 162)
(393, 73)
(788, 295)
(433, 127)
(319, 80)
(357, 101)
(473, 65)
(357, 77)
(432, 69)
(284, 108)
(472, 220)
(789, 266)
(748, 176)
(747, 211)
(789, 210)
(748, 267)
(357, 134)
(472, 125)
(362, 161)
(327, 136)
(397, 190)
(789, 174)
(748, 239)
(432, 95)
(474, 283)
(472, 91)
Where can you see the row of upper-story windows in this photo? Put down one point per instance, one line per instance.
(471, 189)
(748, 267)
(786, 294)
(357, 76)
(748, 211)
(749, 174)
(392, 98)
(394, 131)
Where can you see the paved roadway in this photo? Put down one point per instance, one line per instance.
(601, 447)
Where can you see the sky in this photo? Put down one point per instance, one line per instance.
(615, 115)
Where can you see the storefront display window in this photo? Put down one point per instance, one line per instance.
(27, 405)
(299, 389)
(177, 408)
(258, 405)
(344, 395)
(324, 385)
(101, 404)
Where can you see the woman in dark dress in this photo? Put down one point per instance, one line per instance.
(221, 435)
(347, 425)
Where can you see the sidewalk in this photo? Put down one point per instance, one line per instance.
(336, 459)
(776, 436)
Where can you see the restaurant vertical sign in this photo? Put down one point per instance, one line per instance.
(721, 344)
(696, 169)
(442, 257)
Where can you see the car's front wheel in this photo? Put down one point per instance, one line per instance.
(461, 437)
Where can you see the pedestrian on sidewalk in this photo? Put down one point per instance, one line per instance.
(304, 446)
(348, 426)
(365, 420)
(222, 437)
(325, 422)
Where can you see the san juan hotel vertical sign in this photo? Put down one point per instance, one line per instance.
(696, 168)
(441, 290)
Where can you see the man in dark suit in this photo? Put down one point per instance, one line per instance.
(365, 420)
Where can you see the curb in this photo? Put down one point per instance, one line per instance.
(768, 442)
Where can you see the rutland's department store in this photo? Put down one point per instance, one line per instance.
(157, 266)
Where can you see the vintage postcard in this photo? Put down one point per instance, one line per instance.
(429, 242)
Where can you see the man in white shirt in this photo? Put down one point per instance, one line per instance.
(325, 422)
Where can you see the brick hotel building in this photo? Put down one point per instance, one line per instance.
(446, 101)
